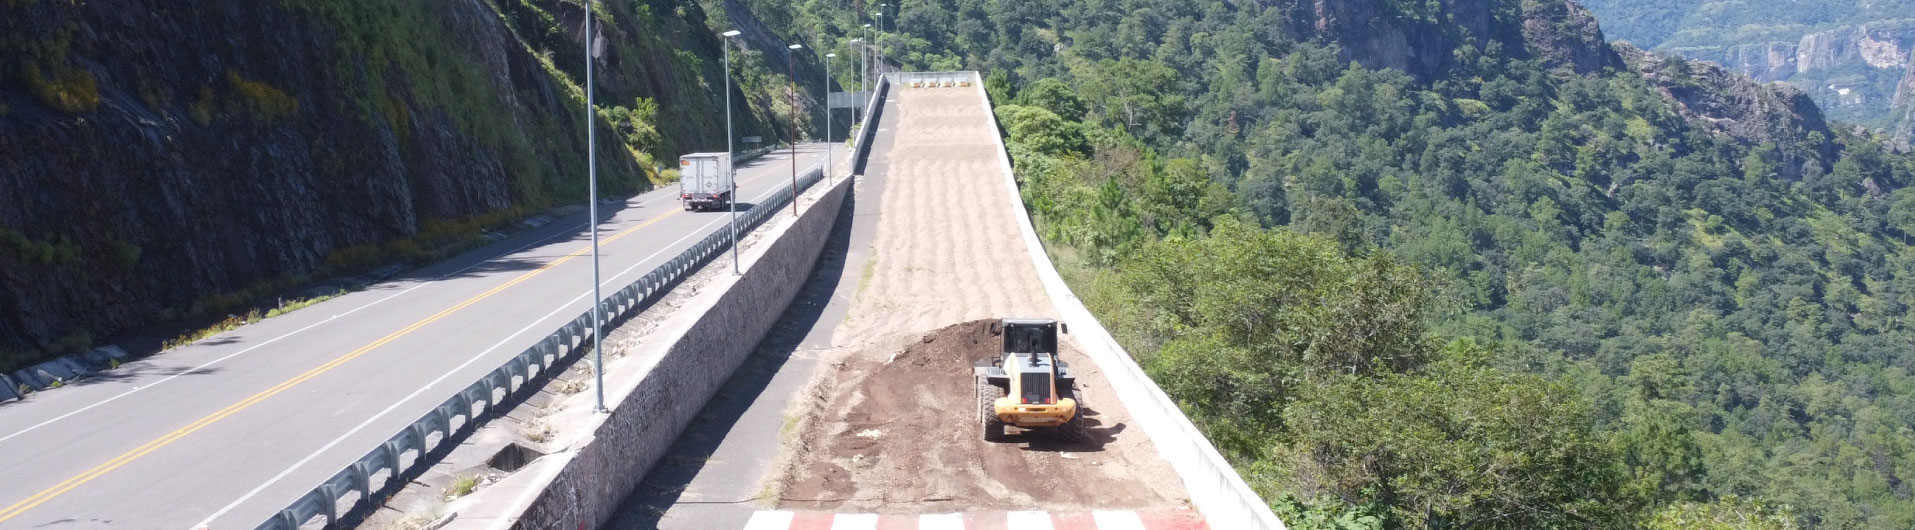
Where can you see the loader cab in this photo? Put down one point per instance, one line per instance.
(1030, 348)
(1031, 335)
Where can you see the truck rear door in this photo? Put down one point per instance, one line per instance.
(710, 181)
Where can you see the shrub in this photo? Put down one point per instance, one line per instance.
(268, 102)
(68, 90)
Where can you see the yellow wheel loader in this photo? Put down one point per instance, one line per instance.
(1026, 386)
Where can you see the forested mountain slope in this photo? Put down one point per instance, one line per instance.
(1463, 264)
(161, 160)
(1852, 57)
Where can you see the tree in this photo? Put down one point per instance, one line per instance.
(1053, 95)
(1041, 130)
(1456, 444)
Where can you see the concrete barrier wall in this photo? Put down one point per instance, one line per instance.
(1214, 486)
(862, 153)
(587, 485)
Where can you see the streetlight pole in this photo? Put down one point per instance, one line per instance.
(591, 163)
(864, 61)
(791, 70)
(857, 112)
(879, 65)
(731, 171)
(828, 145)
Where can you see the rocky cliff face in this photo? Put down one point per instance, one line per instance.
(1421, 38)
(158, 157)
(1852, 71)
(1883, 45)
(1736, 106)
(1903, 112)
(1768, 61)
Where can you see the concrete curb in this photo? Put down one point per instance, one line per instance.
(1216, 489)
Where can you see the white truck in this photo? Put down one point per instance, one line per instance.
(704, 181)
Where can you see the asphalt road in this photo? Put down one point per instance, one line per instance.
(226, 432)
(713, 476)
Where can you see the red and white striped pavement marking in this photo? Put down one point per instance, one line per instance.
(1018, 520)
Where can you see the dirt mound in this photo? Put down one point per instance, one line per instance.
(899, 430)
(890, 424)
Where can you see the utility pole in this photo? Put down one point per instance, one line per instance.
(591, 162)
(857, 112)
(731, 170)
(880, 52)
(828, 145)
(864, 61)
(792, 71)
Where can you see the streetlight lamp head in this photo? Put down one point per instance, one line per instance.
(795, 46)
(859, 39)
(732, 33)
(867, 25)
(830, 55)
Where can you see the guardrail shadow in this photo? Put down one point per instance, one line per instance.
(668, 480)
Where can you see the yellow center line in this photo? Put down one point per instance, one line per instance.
(67, 485)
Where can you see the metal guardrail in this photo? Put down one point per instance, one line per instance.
(387, 462)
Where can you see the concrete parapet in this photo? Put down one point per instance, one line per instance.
(1216, 489)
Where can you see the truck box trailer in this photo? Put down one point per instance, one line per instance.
(704, 181)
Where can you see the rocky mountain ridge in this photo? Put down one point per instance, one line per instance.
(1850, 59)
(1832, 56)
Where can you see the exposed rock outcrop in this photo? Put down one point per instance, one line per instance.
(1739, 107)
(1884, 45)
(1564, 34)
(1422, 38)
(1768, 61)
(1851, 71)
(1903, 112)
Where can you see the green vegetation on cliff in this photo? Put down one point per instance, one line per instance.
(1449, 264)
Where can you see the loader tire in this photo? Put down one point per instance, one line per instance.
(1074, 430)
(987, 395)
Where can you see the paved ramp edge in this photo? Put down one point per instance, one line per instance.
(1216, 489)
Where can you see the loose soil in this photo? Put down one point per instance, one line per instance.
(890, 422)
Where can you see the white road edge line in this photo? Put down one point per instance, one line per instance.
(428, 386)
(57, 419)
